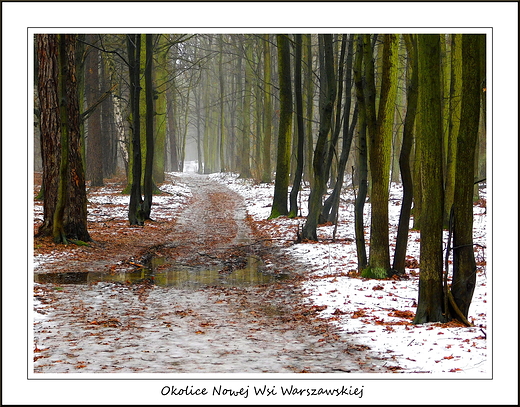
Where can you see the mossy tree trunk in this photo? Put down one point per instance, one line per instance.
(379, 144)
(430, 306)
(162, 78)
(464, 268)
(281, 184)
(65, 200)
(454, 123)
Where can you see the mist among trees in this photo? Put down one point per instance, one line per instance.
(326, 110)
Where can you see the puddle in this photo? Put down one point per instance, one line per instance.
(180, 277)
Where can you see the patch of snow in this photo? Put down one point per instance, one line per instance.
(371, 311)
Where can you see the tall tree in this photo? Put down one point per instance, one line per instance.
(430, 306)
(135, 209)
(380, 139)
(245, 151)
(48, 96)
(222, 134)
(149, 119)
(65, 200)
(281, 184)
(454, 122)
(293, 196)
(320, 173)
(404, 157)
(464, 268)
(331, 204)
(266, 156)
(361, 157)
(94, 134)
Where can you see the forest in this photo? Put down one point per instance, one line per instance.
(213, 193)
(314, 109)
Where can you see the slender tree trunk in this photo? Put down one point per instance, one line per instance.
(293, 196)
(404, 158)
(268, 112)
(245, 153)
(320, 174)
(150, 113)
(135, 210)
(430, 306)
(281, 184)
(94, 135)
(222, 140)
(362, 158)
(464, 267)
(331, 205)
(109, 139)
(454, 122)
(309, 105)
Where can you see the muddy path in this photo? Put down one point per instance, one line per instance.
(189, 312)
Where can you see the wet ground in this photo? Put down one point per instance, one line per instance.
(209, 299)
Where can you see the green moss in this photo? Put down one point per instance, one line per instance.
(274, 214)
(376, 272)
(127, 189)
(79, 242)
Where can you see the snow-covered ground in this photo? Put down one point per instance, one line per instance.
(378, 313)
(374, 313)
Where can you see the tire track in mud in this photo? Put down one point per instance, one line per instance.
(145, 328)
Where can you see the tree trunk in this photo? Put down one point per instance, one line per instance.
(94, 134)
(464, 268)
(331, 205)
(454, 122)
(293, 196)
(268, 113)
(48, 68)
(362, 159)
(309, 105)
(404, 158)
(148, 169)
(135, 210)
(65, 202)
(109, 138)
(320, 174)
(431, 296)
(379, 151)
(222, 140)
(245, 166)
(281, 184)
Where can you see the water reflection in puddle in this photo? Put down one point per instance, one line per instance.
(180, 277)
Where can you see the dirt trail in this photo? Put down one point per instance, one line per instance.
(111, 327)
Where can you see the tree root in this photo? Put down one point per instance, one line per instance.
(460, 315)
